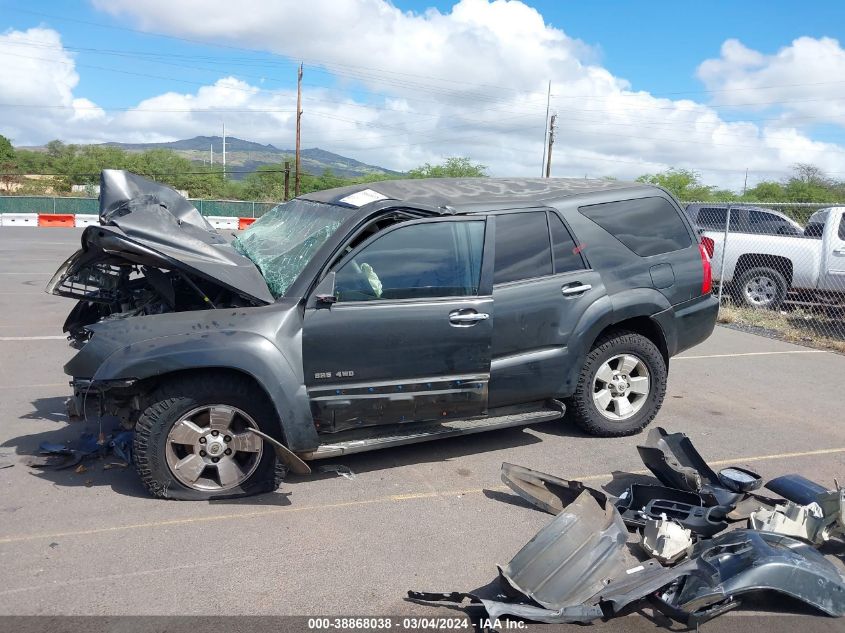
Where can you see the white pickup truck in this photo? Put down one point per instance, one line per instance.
(764, 270)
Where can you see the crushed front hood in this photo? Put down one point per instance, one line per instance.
(150, 224)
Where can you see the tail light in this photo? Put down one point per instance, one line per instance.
(707, 281)
(709, 246)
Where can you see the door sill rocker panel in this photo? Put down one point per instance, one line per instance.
(414, 433)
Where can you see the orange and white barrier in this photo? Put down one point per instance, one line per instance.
(69, 220)
(18, 219)
(86, 219)
(56, 219)
(223, 223)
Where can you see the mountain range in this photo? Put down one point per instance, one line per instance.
(247, 156)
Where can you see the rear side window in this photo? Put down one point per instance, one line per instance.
(712, 218)
(769, 224)
(648, 226)
(842, 228)
(522, 247)
(566, 254)
(421, 261)
(758, 217)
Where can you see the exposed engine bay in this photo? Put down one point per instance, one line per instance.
(152, 253)
(111, 289)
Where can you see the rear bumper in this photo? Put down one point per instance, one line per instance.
(688, 324)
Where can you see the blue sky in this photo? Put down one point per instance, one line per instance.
(658, 44)
(381, 85)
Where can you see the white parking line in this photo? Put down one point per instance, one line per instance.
(40, 386)
(33, 338)
(791, 351)
(193, 521)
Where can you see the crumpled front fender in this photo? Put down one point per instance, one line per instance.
(107, 357)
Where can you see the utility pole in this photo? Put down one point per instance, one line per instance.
(224, 150)
(287, 180)
(546, 127)
(211, 154)
(551, 143)
(298, 126)
(745, 184)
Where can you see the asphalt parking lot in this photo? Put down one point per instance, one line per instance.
(431, 517)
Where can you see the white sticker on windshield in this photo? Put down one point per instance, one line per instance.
(360, 198)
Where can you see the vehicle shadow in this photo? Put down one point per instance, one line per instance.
(91, 471)
(445, 449)
(95, 471)
(424, 452)
(51, 409)
(563, 427)
(98, 471)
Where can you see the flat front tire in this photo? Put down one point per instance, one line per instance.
(621, 386)
(193, 442)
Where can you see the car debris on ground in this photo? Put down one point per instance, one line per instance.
(701, 560)
(55, 456)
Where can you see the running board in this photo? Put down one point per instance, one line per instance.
(424, 432)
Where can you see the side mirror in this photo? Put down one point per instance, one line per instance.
(324, 293)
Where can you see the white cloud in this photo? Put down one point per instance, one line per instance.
(38, 71)
(803, 81)
(471, 81)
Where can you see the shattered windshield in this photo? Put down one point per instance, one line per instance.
(283, 240)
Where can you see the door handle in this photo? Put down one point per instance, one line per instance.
(459, 318)
(575, 290)
(839, 251)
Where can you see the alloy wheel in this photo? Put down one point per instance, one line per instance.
(211, 448)
(760, 290)
(621, 387)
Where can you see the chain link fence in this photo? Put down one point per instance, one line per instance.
(75, 205)
(779, 268)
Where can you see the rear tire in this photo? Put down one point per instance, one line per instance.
(761, 288)
(191, 441)
(623, 367)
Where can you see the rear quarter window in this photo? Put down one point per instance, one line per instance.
(523, 249)
(647, 226)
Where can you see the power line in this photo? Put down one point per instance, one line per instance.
(418, 86)
(231, 47)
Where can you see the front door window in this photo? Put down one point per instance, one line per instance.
(421, 261)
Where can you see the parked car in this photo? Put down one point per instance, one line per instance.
(744, 219)
(376, 315)
(761, 270)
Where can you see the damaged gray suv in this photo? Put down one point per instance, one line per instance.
(375, 315)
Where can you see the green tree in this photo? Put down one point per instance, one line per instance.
(685, 184)
(766, 191)
(454, 167)
(267, 184)
(7, 152)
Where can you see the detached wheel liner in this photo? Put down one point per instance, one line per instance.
(621, 386)
(192, 443)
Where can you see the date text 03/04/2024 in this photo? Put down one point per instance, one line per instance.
(409, 624)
